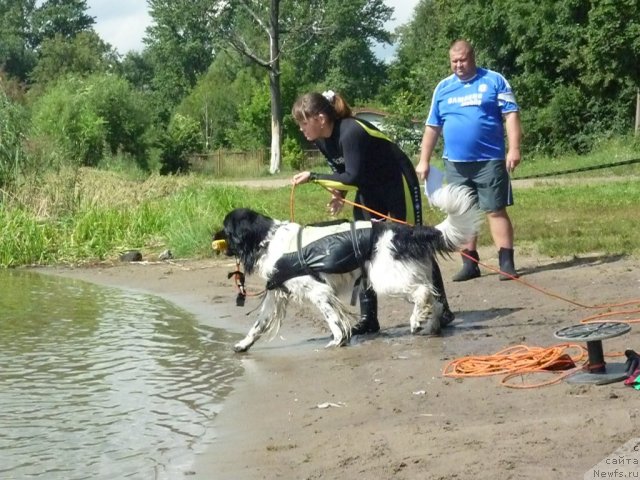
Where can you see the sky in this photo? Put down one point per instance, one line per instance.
(122, 23)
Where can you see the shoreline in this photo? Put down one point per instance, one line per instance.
(380, 408)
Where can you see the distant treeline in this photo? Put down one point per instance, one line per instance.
(201, 83)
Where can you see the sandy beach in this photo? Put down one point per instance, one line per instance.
(381, 408)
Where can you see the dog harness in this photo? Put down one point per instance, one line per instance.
(337, 248)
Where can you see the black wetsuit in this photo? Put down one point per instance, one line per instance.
(362, 156)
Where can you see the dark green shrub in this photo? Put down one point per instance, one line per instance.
(183, 137)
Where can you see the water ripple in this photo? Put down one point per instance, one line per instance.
(100, 384)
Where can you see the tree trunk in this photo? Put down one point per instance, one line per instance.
(274, 86)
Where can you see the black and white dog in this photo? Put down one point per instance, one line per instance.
(316, 264)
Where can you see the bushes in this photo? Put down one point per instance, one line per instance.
(65, 117)
(182, 137)
(83, 118)
(292, 155)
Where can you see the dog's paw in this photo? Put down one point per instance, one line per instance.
(415, 329)
(336, 342)
(240, 347)
(432, 327)
(433, 330)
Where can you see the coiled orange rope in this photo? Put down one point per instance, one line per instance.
(520, 360)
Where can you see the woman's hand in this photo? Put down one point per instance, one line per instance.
(300, 178)
(336, 203)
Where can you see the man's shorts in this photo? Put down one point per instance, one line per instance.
(488, 179)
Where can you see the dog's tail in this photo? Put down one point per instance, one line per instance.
(464, 216)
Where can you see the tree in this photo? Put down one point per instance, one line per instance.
(179, 48)
(268, 34)
(137, 68)
(82, 55)
(17, 56)
(66, 18)
(125, 113)
(340, 56)
(65, 121)
(26, 24)
(219, 99)
(231, 19)
(181, 138)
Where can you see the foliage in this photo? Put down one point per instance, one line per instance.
(292, 156)
(126, 115)
(340, 55)
(137, 69)
(179, 48)
(83, 118)
(17, 57)
(26, 24)
(182, 138)
(217, 99)
(67, 121)
(402, 125)
(253, 128)
(66, 18)
(81, 55)
(421, 59)
(13, 123)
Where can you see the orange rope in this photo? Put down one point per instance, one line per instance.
(519, 360)
(590, 319)
(348, 202)
(522, 360)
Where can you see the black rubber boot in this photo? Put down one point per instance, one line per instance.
(447, 316)
(368, 314)
(469, 268)
(506, 264)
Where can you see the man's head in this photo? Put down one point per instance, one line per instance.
(462, 59)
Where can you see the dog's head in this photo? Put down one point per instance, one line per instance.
(244, 232)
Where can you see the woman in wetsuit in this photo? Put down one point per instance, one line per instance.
(364, 158)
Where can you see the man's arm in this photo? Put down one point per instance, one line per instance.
(429, 139)
(514, 136)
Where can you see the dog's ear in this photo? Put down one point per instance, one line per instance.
(245, 231)
(236, 232)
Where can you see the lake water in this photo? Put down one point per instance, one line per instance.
(101, 383)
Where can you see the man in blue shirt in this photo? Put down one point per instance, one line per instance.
(471, 109)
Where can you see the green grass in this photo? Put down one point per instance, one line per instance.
(89, 215)
(612, 151)
(578, 219)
